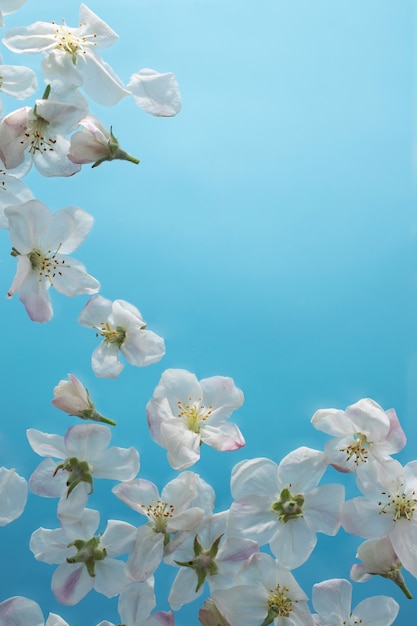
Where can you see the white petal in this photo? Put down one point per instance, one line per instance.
(155, 93)
(37, 37)
(20, 611)
(146, 554)
(101, 82)
(95, 312)
(45, 444)
(105, 361)
(143, 348)
(13, 495)
(18, 81)
(71, 582)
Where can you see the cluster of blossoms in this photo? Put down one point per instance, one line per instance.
(281, 505)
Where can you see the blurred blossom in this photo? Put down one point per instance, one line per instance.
(13, 495)
(155, 93)
(71, 54)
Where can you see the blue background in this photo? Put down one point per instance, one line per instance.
(268, 234)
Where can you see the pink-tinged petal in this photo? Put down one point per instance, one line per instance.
(111, 577)
(72, 278)
(252, 517)
(20, 611)
(101, 82)
(177, 385)
(209, 615)
(302, 469)
(13, 141)
(49, 546)
(155, 93)
(34, 294)
(143, 348)
(13, 495)
(105, 361)
(68, 228)
(95, 312)
(87, 441)
(146, 554)
(37, 37)
(293, 542)
(183, 446)
(183, 590)
(136, 603)
(376, 611)
(160, 618)
(136, 493)
(71, 582)
(225, 437)
(44, 483)
(255, 476)
(117, 464)
(361, 517)
(322, 508)
(157, 411)
(396, 438)
(118, 538)
(333, 598)
(45, 444)
(27, 225)
(71, 396)
(23, 274)
(221, 391)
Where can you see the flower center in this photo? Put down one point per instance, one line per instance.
(111, 335)
(88, 553)
(193, 413)
(279, 604)
(67, 41)
(37, 135)
(289, 506)
(47, 266)
(357, 449)
(400, 506)
(158, 515)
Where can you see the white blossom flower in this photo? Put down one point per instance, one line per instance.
(13, 495)
(332, 600)
(38, 135)
(73, 398)
(264, 593)
(155, 93)
(9, 6)
(22, 611)
(84, 455)
(209, 556)
(135, 606)
(378, 557)
(185, 413)
(85, 559)
(123, 330)
(41, 241)
(363, 433)
(93, 144)
(281, 504)
(387, 509)
(183, 504)
(71, 54)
